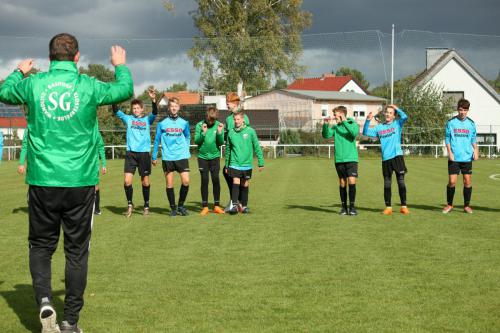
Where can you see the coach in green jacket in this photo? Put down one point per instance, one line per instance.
(62, 164)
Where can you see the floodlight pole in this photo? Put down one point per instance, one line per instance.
(392, 67)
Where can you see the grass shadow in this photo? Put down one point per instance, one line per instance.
(311, 208)
(20, 209)
(22, 301)
(359, 208)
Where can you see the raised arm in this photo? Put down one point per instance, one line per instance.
(122, 88)
(15, 90)
(367, 131)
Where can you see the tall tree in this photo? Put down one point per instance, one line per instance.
(357, 75)
(247, 42)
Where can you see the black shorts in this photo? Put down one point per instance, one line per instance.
(135, 160)
(455, 168)
(396, 164)
(235, 173)
(180, 166)
(347, 169)
(209, 165)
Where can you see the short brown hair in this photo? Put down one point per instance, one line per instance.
(63, 47)
(342, 109)
(136, 102)
(239, 113)
(463, 104)
(232, 97)
(212, 113)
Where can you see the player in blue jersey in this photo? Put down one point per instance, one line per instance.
(174, 135)
(460, 140)
(389, 133)
(138, 149)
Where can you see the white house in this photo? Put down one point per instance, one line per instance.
(447, 69)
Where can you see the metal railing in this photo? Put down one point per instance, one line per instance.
(280, 150)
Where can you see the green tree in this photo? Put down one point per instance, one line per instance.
(247, 41)
(357, 75)
(280, 84)
(178, 87)
(427, 112)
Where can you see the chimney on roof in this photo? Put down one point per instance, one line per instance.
(324, 76)
(433, 54)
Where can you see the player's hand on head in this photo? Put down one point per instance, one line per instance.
(118, 55)
(25, 66)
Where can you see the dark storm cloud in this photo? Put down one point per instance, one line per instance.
(157, 40)
(462, 16)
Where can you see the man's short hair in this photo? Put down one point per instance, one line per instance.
(63, 47)
(463, 104)
(137, 102)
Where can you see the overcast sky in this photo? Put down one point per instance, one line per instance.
(343, 33)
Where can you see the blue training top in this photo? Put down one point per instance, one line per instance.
(138, 130)
(389, 135)
(175, 138)
(461, 136)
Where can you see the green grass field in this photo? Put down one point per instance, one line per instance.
(292, 265)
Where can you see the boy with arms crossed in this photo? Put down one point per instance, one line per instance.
(389, 134)
(209, 137)
(138, 148)
(460, 140)
(241, 143)
(344, 133)
(173, 133)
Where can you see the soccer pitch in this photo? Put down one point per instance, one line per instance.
(292, 265)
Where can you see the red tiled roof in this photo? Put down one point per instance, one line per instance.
(19, 122)
(325, 83)
(185, 97)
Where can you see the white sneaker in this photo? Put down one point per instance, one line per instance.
(229, 206)
(48, 317)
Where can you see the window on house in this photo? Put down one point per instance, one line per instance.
(486, 138)
(359, 111)
(324, 110)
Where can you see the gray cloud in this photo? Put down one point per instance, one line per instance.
(157, 40)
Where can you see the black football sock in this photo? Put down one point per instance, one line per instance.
(343, 196)
(183, 194)
(129, 193)
(352, 194)
(171, 197)
(467, 195)
(450, 193)
(145, 194)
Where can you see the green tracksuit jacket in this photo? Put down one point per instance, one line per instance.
(344, 135)
(240, 146)
(62, 120)
(208, 143)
